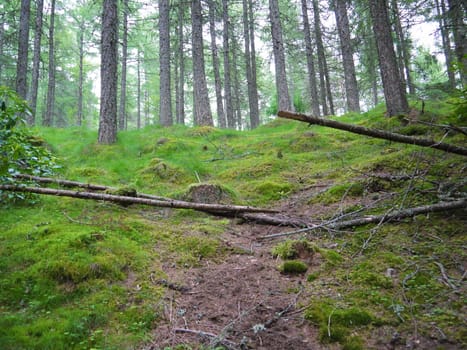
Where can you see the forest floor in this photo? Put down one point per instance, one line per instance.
(245, 302)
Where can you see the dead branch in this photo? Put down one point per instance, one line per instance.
(216, 209)
(380, 134)
(228, 344)
(76, 184)
(394, 215)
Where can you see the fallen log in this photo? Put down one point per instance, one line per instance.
(88, 186)
(380, 134)
(217, 209)
(372, 219)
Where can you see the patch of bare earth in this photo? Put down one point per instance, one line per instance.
(244, 302)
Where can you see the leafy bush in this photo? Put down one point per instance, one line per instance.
(20, 152)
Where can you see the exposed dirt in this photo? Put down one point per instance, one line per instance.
(243, 302)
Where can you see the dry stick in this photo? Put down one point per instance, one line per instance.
(68, 183)
(226, 343)
(379, 218)
(374, 132)
(217, 209)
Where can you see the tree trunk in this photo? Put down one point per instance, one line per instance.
(50, 105)
(236, 83)
(313, 88)
(165, 110)
(180, 98)
(321, 59)
(23, 45)
(350, 79)
(394, 91)
(446, 41)
(254, 116)
(138, 91)
(215, 65)
(201, 104)
(458, 13)
(109, 53)
(122, 102)
(2, 41)
(227, 81)
(283, 96)
(380, 134)
(36, 61)
(79, 115)
(254, 104)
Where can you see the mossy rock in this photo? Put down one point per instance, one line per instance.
(292, 249)
(209, 193)
(159, 169)
(293, 267)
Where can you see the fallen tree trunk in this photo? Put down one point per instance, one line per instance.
(374, 132)
(72, 184)
(395, 215)
(217, 209)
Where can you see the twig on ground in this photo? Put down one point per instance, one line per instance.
(446, 278)
(227, 343)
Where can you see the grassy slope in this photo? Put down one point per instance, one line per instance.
(76, 274)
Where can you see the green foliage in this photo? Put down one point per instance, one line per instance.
(20, 152)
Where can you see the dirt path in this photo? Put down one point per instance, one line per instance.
(243, 302)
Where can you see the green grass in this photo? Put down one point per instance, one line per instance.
(74, 273)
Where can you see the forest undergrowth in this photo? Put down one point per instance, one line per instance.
(78, 274)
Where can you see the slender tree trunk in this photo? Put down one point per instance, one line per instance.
(324, 71)
(165, 110)
(79, 117)
(49, 114)
(313, 88)
(23, 44)
(458, 14)
(36, 61)
(283, 96)
(215, 65)
(109, 81)
(254, 117)
(227, 83)
(254, 104)
(122, 102)
(394, 91)
(443, 27)
(321, 58)
(201, 104)
(236, 83)
(343, 27)
(180, 98)
(138, 91)
(2, 41)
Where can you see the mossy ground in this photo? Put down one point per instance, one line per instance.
(76, 274)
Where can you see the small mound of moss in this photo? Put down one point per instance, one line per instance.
(159, 169)
(293, 267)
(291, 249)
(209, 193)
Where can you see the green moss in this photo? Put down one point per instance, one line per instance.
(273, 190)
(293, 267)
(338, 192)
(290, 249)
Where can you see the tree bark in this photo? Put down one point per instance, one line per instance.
(350, 79)
(283, 96)
(109, 52)
(216, 209)
(50, 105)
(254, 104)
(457, 14)
(36, 61)
(374, 133)
(446, 41)
(215, 65)
(79, 114)
(313, 88)
(165, 110)
(229, 113)
(180, 98)
(201, 104)
(122, 102)
(23, 44)
(394, 91)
